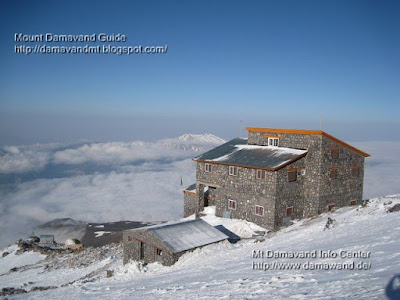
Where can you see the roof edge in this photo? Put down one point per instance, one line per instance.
(189, 192)
(309, 132)
(253, 167)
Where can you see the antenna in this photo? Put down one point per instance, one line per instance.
(321, 123)
(241, 128)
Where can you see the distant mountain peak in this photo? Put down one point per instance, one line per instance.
(62, 222)
(204, 138)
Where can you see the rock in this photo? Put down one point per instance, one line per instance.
(110, 273)
(5, 253)
(11, 291)
(330, 223)
(42, 288)
(33, 239)
(394, 208)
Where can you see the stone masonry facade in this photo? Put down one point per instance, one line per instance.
(146, 240)
(324, 181)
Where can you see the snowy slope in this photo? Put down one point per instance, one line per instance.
(225, 271)
(14, 261)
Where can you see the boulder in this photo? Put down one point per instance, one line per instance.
(330, 223)
(394, 208)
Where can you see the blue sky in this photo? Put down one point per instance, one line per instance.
(269, 63)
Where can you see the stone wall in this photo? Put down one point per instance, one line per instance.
(318, 188)
(345, 188)
(189, 203)
(244, 188)
(131, 248)
(290, 194)
(308, 203)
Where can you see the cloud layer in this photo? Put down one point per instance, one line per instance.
(140, 194)
(381, 168)
(34, 158)
(126, 181)
(141, 182)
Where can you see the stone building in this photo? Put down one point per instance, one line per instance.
(47, 239)
(165, 243)
(276, 175)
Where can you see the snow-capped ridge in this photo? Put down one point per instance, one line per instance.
(62, 222)
(204, 138)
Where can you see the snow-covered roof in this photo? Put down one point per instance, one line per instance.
(191, 188)
(186, 235)
(238, 152)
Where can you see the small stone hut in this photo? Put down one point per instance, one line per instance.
(47, 239)
(165, 243)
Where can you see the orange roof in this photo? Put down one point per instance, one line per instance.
(310, 132)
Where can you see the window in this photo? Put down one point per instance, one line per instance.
(233, 170)
(353, 202)
(260, 174)
(335, 152)
(331, 207)
(158, 252)
(355, 171)
(292, 175)
(333, 173)
(232, 204)
(208, 167)
(259, 210)
(129, 239)
(289, 211)
(274, 142)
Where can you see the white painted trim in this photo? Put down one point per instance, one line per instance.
(233, 168)
(273, 141)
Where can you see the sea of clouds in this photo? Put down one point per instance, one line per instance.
(139, 181)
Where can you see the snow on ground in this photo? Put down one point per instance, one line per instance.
(226, 271)
(61, 269)
(101, 233)
(13, 260)
(241, 228)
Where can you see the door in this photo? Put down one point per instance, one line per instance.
(141, 250)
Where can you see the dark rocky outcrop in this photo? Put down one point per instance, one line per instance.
(394, 208)
(11, 291)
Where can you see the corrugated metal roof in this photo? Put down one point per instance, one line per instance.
(237, 152)
(186, 235)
